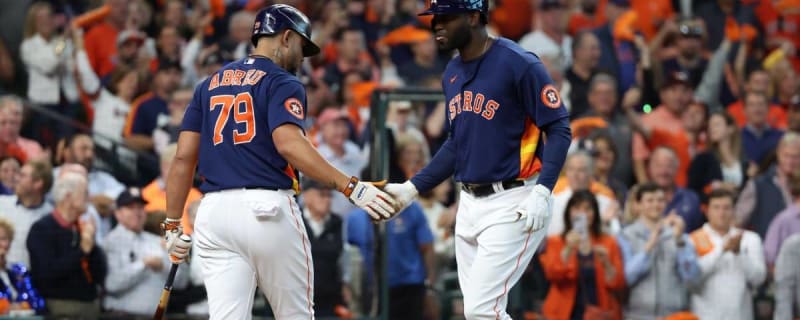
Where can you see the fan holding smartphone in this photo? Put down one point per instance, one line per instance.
(583, 250)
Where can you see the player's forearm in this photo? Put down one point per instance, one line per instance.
(440, 168)
(178, 184)
(559, 137)
(301, 154)
(181, 173)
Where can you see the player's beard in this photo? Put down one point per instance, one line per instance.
(459, 39)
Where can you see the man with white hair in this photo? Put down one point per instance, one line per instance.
(578, 170)
(10, 126)
(66, 264)
(764, 196)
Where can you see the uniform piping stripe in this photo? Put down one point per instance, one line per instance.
(305, 253)
(505, 285)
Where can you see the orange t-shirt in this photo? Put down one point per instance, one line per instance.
(776, 117)
(156, 198)
(660, 118)
(653, 13)
(679, 142)
(101, 46)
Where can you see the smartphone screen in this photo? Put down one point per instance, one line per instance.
(581, 224)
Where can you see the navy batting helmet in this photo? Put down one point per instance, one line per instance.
(278, 17)
(456, 6)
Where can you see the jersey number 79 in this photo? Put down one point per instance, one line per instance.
(246, 116)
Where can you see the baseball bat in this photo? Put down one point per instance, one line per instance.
(162, 303)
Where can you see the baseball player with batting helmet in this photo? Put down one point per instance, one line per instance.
(501, 104)
(243, 132)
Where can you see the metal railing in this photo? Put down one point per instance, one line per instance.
(379, 168)
(128, 166)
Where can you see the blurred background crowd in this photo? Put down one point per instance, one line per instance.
(680, 197)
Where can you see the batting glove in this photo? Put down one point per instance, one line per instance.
(178, 244)
(367, 196)
(404, 193)
(536, 208)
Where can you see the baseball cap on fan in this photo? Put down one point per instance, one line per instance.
(130, 196)
(130, 35)
(676, 78)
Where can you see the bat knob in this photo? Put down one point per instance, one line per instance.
(185, 238)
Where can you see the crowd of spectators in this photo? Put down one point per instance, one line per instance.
(680, 197)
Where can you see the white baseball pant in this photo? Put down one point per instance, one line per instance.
(246, 238)
(492, 250)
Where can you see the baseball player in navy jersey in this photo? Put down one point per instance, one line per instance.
(509, 134)
(243, 132)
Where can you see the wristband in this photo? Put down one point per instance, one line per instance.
(170, 224)
(351, 185)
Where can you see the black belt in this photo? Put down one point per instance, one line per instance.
(483, 190)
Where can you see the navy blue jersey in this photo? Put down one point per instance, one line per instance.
(235, 111)
(496, 105)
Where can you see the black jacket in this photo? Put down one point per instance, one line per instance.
(56, 262)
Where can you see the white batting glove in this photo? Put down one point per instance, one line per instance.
(404, 193)
(536, 208)
(178, 244)
(367, 196)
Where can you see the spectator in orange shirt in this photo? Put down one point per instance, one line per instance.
(101, 40)
(758, 80)
(10, 125)
(685, 141)
(583, 265)
(675, 94)
(155, 193)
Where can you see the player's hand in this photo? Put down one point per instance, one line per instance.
(178, 244)
(404, 193)
(536, 208)
(378, 204)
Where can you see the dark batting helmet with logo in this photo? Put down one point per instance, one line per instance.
(457, 6)
(278, 17)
